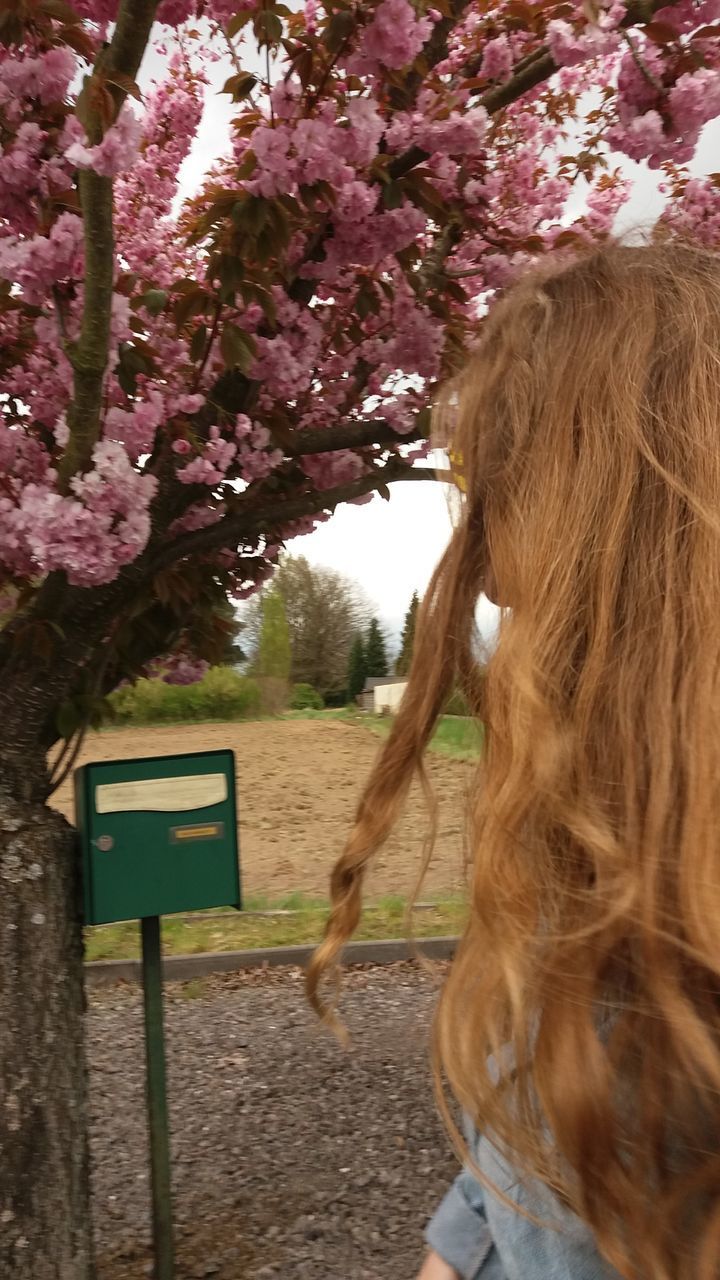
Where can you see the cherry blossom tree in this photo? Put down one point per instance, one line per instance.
(188, 385)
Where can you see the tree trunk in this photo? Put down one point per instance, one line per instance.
(45, 1231)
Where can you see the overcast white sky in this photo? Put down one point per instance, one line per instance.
(391, 548)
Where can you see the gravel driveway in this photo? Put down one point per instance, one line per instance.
(291, 1158)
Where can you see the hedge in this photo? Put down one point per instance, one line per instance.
(222, 694)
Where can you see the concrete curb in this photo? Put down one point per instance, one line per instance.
(205, 963)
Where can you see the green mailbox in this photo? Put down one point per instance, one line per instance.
(158, 835)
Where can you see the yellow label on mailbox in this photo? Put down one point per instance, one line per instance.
(162, 795)
(207, 831)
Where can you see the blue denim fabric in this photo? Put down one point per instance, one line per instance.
(485, 1239)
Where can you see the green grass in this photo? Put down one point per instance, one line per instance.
(457, 736)
(327, 713)
(239, 932)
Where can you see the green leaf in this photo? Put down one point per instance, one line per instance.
(247, 166)
(126, 83)
(268, 27)
(60, 10)
(303, 65)
(155, 301)
(198, 343)
(255, 215)
(338, 30)
(367, 301)
(424, 421)
(190, 304)
(229, 269)
(661, 32)
(237, 347)
(68, 719)
(392, 195)
(238, 21)
(240, 85)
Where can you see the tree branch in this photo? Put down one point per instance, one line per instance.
(244, 524)
(116, 66)
(529, 73)
(351, 435)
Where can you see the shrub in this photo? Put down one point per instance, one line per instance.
(222, 694)
(456, 705)
(305, 698)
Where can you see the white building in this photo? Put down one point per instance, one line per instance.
(383, 696)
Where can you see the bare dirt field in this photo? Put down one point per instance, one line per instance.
(298, 783)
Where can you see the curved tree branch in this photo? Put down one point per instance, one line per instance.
(245, 524)
(353, 435)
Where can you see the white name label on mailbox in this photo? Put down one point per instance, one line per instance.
(162, 795)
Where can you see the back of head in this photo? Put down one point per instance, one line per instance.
(588, 423)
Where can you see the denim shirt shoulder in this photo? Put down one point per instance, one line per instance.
(483, 1238)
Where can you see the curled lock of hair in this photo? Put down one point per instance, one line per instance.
(579, 1026)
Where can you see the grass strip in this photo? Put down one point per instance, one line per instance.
(384, 919)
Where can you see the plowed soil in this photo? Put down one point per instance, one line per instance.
(298, 784)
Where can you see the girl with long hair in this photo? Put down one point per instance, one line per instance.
(579, 1028)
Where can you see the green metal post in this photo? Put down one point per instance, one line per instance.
(159, 1130)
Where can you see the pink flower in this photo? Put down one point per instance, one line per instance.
(38, 262)
(135, 428)
(366, 130)
(497, 59)
(117, 151)
(643, 137)
(393, 38)
(695, 99)
(211, 465)
(89, 535)
(326, 470)
(570, 46)
(45, 77)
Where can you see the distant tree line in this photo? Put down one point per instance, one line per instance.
(314, 629)
(323, 612)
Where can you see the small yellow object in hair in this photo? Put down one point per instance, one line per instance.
(456, 467)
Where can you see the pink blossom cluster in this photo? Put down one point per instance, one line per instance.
(45, 76)
(257, 463)
(36, 263)
(695, 211)
(497, 58)
(364, 235)
(322, 148)
(90, 535)
(135, 427)
(439, 132)
(117, 151)
(661, 124)
(393, 38)
(180, 668)
(326, 470)
(209, 466)
(570, 45)
(145, 192)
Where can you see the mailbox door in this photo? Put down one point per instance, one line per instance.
(157, 860)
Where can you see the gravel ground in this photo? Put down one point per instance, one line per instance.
(291, 1158)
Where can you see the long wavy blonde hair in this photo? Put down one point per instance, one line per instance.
(588, 422)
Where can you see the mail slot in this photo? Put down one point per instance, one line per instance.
(158, 835)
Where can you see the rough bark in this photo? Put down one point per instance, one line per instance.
(45, 1231)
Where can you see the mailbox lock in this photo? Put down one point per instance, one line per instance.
(104, 843)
